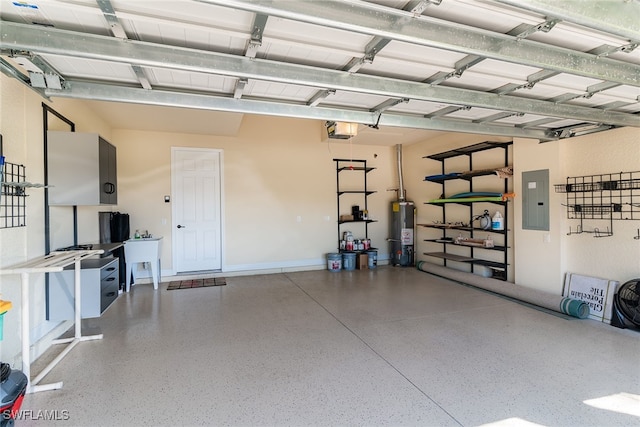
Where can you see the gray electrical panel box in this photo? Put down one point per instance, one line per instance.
(535, 200)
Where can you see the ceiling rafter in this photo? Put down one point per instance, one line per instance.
(447, 110)
(117, 30)
(415, 7)
(536, 123)
(11, 71)
(103, 92)
(257, 32)
(459, 68)
(498, 116)
(614, 17)
(525, 30)
(367, 18)
(67, 43)
(320, 96)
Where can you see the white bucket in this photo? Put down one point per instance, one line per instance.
(334, 262)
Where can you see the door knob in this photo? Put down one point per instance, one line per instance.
(181, 226)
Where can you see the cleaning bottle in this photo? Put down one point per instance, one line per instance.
(497, 223)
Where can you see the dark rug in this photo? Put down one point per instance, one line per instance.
(197, 283)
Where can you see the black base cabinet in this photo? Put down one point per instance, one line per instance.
(99, 288)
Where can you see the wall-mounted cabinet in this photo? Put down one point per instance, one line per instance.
(81, 169)
(464, 228)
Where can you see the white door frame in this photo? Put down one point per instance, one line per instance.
(174, 224)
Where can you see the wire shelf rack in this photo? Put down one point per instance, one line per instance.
(12, 196)
(611, 196)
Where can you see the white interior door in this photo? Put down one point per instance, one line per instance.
(196, 194)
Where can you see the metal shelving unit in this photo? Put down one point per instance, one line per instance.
(362, 192)
(475, 252)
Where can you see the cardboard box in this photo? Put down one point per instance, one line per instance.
(362, 261)
(346, 217)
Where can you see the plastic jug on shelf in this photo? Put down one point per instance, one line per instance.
(497, 223)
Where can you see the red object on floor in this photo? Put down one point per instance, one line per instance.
(12, 390)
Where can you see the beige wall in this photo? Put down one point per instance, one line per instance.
(616, 257)
(543, 265)
(538, 256)
(279, 190)
(21, 125)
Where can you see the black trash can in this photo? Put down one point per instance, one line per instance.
(13, 386)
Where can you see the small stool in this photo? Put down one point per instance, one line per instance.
(143, 250)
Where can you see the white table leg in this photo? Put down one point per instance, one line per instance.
(128, 279)
(72, 342)
(26, 339)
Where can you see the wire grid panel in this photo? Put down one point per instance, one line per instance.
(605, 196)
(12, 196)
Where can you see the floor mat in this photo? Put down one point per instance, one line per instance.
(197, 283)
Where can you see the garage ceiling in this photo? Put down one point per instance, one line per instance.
(545, 69)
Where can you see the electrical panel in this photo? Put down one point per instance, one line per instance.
(535, 200)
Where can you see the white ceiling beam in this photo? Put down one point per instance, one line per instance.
(103, 92)
(41, 40)
(620, 18)
(369, 18)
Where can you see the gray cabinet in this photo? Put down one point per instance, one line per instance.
(81, 169)
(99, 279)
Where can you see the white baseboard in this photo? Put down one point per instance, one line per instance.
(144, 276)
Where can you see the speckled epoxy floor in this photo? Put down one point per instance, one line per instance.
(392, 346)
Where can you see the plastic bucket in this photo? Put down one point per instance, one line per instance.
(334, 262)
(349, 261)
(372, 259)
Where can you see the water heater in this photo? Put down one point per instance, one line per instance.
(402, 223)
(402, 231)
